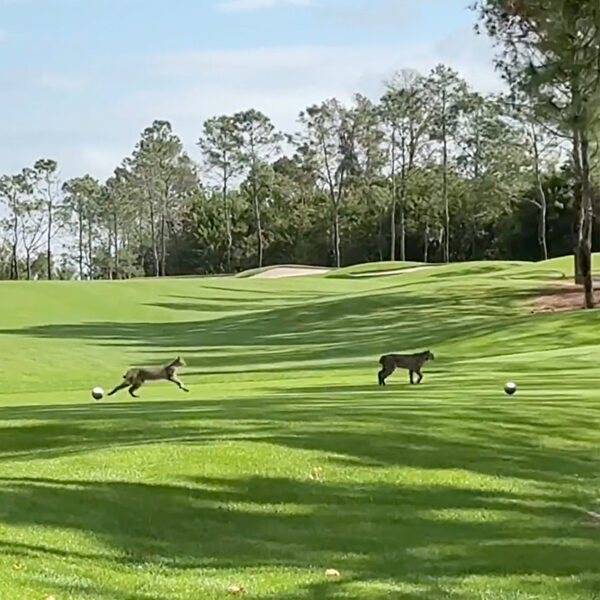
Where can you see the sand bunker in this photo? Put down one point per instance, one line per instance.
(278, 272)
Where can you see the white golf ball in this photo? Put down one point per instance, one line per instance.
(510, 388)
(97, 393)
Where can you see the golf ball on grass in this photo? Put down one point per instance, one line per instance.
(510, 388)
(97, 393)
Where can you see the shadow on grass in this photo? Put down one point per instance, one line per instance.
(371, 531)
(512, 440)
(319, 334)
(412, 531)
(204, 523)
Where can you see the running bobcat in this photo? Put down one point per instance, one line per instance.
(137, 376)
(412, 362)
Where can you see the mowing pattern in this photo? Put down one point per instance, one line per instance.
(286, 458)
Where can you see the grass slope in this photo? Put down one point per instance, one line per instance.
(372, 268)
(448, 490)
(566, 264)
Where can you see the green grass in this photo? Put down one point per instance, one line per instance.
(566, 264)
(373, 268)
(449, 490)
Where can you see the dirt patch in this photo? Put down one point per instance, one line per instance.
(279, 272)
(561, 298)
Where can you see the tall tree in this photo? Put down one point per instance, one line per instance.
(445, 97)
(542, 148)
(220, 144)
(11, 192)
(259, 143)
(426, 217)
(113, 217)
(406, 118)
(550, 49)
(32, 216)
(328, 147)
(165, 179)
(82, 196)
(493, 162)
(121, 222)
(48, 186)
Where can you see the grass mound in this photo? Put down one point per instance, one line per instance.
(566, 264)
(373, 268)
(286, 459)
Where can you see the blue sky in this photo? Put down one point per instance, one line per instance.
(81, 78)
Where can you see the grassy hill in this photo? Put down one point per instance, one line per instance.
(566, 264)
(448, 490)
(373, 269)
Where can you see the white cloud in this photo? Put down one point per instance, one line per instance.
(252, 5)
(94, 135)
(283, 81)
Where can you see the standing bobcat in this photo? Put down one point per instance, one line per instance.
(137, 376)
(412, 362)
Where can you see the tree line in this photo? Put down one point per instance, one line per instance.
(432, 171)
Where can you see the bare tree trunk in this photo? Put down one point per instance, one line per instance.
(446, 206)
(228, 232)
(111, 265)
(336, 233)
(80, 216)
(577, 194)
(257, 215)
(139, 241)
(381, 239)
(445, 185)
(228, 228)
(28, 263)
(393, 224)
(154, 245)
(403, 204)
(259, 233)
(89, 250)
(116, 244)
(49, 242)
(586, 220)
(163, 230)
(402, 232)
(163, 245)
(542, 197)
(542, 228)
(14, 267)
(393, 212)
(426, 243)
(15, 246)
